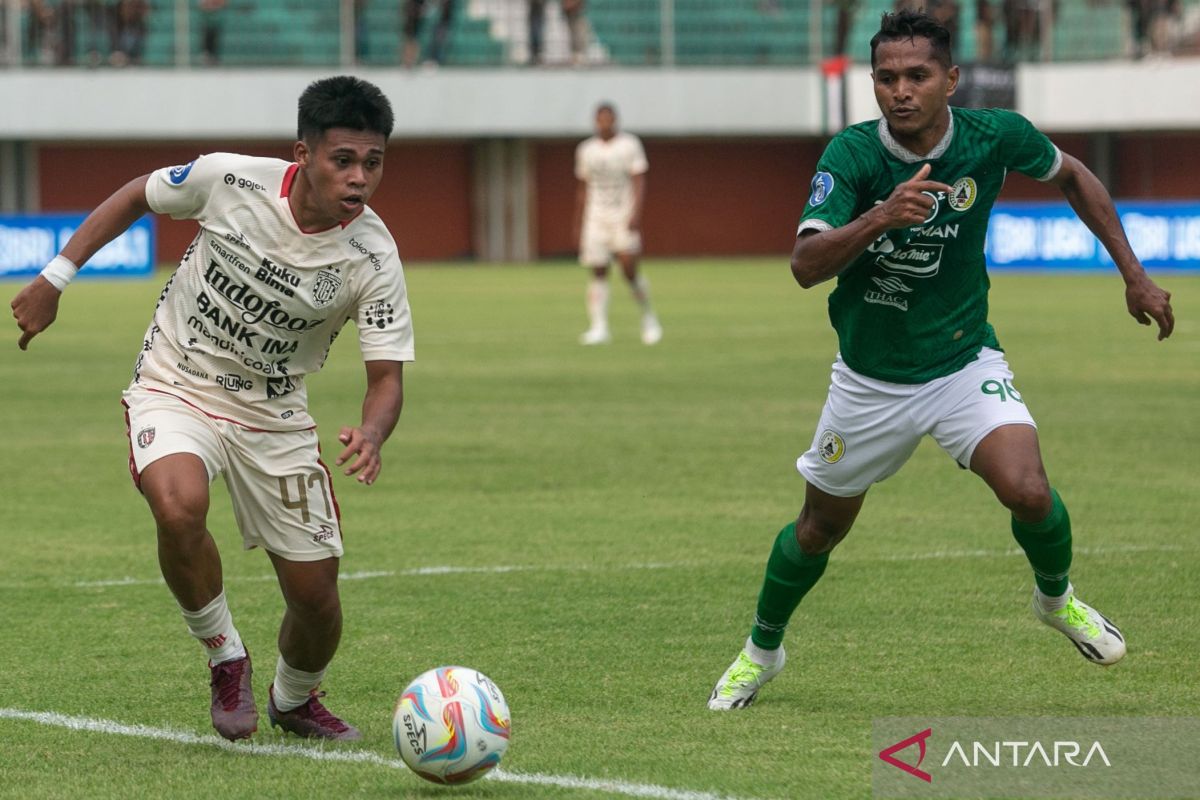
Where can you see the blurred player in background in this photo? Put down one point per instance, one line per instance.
(898, 214)
(287, 253)
(611, 171)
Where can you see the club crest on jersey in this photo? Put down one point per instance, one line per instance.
(145, 437)
(179, 174)
(822, 187)
(963, 194)
(831, 447)
(326, 285)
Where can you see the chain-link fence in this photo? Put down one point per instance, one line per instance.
(581, 33)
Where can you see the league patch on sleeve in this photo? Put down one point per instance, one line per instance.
(178, 175)
(822, 187)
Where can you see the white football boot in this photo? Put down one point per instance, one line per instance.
(595, 336)
(738, 687)
(652, 331)
(1090, 631)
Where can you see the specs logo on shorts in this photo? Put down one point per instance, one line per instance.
(326, 285)
(963, 194)
(822, 187)
(831, 447)
(323, 535)
(179, 174)
(145, 437)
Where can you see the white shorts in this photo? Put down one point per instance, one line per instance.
(282, 493)
(601, 240)
(869, 428)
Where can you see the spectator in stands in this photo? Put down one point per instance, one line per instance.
(1155, 24)
(210, 30)
(1023, 28)
(42, 32)
(984, 19)
(577, 28)
(537, 26)
(413, 11)
(128, 36)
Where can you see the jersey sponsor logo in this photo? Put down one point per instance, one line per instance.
(197, 324)
(918, 260)
(822, 187)
(831, 446)
(230, 257)
(277, 277)
(891, 285)
(885, 299)
(362, 248)
(280, 387)
(209, 310)
(243, 183)
(936, 197)
(380, 314)
(963, 194)
(326, 285)
(179, 174)
(145, 437)
(937, 231)
(234, 383)
(198, 373)
(255, 309)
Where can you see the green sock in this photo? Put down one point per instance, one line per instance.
(790, 574)
(1047, 545)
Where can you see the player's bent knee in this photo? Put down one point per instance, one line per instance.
(1028, 498)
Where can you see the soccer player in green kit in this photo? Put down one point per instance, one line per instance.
(898, 214)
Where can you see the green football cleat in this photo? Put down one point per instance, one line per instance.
(738, 687)
(1090, 631)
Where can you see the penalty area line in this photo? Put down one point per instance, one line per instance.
(318, 753)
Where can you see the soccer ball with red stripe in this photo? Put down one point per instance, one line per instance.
(451, 725)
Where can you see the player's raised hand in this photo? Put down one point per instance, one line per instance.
(1146, 300)
(368, 463)
(913, 201)
(35, 308)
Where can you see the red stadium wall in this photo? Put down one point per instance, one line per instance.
(424, 199)
(704, 196)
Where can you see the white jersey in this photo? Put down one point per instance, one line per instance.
(256, 302)
(608, 168)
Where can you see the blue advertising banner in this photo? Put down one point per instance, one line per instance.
(1164, 235)
(29, 241)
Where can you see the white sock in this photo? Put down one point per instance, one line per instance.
(760, 656)
(641, 293)
(213, 626)
(597, 303)
(1052, 604)
(293, 686)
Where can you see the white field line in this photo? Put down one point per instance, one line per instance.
(318, 753)
(931, 555)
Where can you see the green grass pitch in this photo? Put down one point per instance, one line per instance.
(635, 491)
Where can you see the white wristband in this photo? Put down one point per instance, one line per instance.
(59, 272)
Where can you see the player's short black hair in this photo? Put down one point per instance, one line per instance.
(604, 105)
(909, 24)
(343, 102)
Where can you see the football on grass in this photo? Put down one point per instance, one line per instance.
(451, 725)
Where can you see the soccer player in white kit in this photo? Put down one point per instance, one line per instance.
(286, 254)
(611, 171)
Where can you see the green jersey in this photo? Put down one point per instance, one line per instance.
(913, 307)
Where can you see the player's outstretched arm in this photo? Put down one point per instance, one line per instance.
(381, 411)
(1094, 205)
(819, 256)
(36, 306)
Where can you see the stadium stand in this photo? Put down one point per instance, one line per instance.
(624, 32)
